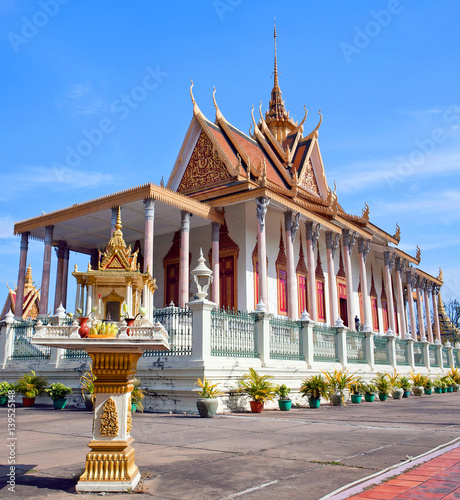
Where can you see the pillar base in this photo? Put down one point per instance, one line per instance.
(109, 467)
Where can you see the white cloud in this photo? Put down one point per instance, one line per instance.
(80, 99)
(6, 227)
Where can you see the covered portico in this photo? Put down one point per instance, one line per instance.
(147, 211)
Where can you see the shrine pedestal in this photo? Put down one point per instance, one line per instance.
(110, 463)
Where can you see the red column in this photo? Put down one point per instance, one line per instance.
(410, 302)
(421, 325)
(348, 243)
(437, 330)
(312, 238)
(148, 235)
(426, 292)
(291, 229)
(43, 306)
(184, 271)
(215, 263)
(262, 205)
(65, 276)
(400, 265)
(19, 301)
(388, 261)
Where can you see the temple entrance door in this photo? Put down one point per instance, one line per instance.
(343, 309)
(172, 284)
(227, 282)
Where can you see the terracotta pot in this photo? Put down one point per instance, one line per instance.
(84, 327)
(256, 406)
(129, 322)
(28, 402)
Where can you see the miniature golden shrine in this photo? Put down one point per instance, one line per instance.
(116, 280)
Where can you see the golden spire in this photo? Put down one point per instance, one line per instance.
(276, 60)
(28, 280)
(118, 225)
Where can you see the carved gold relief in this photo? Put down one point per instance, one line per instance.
(129, 424)
(309, 179)
(107, 463)
(109, 419)
(204, 167)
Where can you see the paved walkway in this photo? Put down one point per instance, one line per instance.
(300, 454)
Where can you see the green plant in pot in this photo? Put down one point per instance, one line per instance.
(314, 388)
(438, 385)
(396, 391)
(4, 388)
(356, 391)
(137, 396)
(370, 391)
(405, 385)
(58, 392)
(449, 383)
(207, 403)
(428, 386)
(284, 402)
(338, 382)
(87, 388)
(258, 388)
(418, 380)
(454, 374)
(383, 385)
(30, 386)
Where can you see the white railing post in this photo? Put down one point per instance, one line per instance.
(370, 358)
(410, 352)
(439, 356)
(57, 354)
(341, 342)
(7, 338)
(262, 336)
(391, 348)
(450, 354)
(307, 338)
(426, 353)
(201, 328)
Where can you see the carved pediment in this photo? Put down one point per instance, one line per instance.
(205, 167)
(309, 180)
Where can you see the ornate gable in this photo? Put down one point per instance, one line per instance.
(205, 167)
(308, 180)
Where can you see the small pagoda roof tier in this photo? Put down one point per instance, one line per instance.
(31, 299)
(448, 330)
(117, 264)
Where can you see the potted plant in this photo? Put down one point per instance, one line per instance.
(282, 391)
(396, 391)
(87, 388)
(338, 381)
(418, 381)
(137, 395)
(30, 386)
(454, 374)
(4, 388)
(449, 384)
(369, 392)
(428, 386)
(58, 392)
(83, 331)
(314, 388)
(405, 385)
(207, 403)
(356, 390)
(438, 385)
(258, 388)
(383, 385)
(142, 311)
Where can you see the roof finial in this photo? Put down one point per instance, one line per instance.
(118, 225)
(276, 61)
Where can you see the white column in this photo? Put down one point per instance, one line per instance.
(312, 238)
(421, 325)
(426, 292)
(89, 299)
(348, 243)
(410, 302)
(148, 235)
(389, 262)
(184, 264)
(363, 248)
(77, 296)
(291, 227)
(129, 299)
(262, 205)
(400, 265)
(215, 226)
(332, 243)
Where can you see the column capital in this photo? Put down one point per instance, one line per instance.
(149, 208)
(215, 226)
(24, 245)
(389, 259)
(364, 247)
(312, 232)
(185, 220)
(332, 242)
(349, 239)
(49, 235)
(292, 225)
(262, 206)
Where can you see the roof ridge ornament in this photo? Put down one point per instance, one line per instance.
(219, 115)
(300, 125)
(418, 255)
(397, 235)
(196, 109)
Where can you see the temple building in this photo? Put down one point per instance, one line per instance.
(276, 237)
(30, 299)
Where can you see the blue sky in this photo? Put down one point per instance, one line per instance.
(385, 75)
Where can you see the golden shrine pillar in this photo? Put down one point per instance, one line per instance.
(110, 464)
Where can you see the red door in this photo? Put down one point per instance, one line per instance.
(375, 315)
(282, 292)
(172, 284)
(320, 301)
(227, 282)
(303, 296)
(385, 315)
